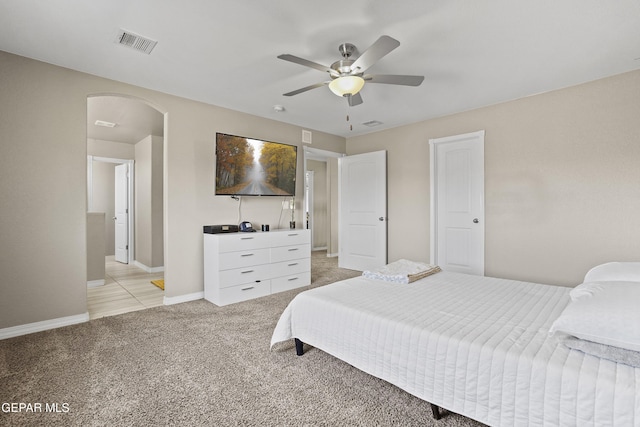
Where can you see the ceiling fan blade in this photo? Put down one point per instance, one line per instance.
(304, 89)
(380, 48)
(354, 99)
(306, 63)
(393, 79)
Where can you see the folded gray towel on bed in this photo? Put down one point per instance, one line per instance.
(609, 352)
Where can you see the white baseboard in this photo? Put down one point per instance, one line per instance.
(183, 298)
(148, 269)
(319, 248)
(45, 325)
(331, 255)
(95, 283)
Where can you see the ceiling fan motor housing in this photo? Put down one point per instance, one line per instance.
(346, 50)
(343, 67)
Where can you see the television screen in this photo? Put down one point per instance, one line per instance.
(252, 167)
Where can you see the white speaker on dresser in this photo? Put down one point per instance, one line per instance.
(243, 266)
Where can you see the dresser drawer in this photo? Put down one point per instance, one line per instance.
(293, 281)
(231, 260)
(290, 267)
(244, 292)
(292, 237)
(242, 275)
(242, 241)
(286, 253)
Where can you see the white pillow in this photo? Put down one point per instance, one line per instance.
(603, 312)
(586, 290)
(614, 271)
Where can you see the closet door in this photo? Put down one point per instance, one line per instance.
(363, 211)
(457, 202)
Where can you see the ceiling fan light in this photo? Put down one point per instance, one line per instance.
(346, 85)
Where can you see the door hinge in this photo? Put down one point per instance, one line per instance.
(127, 247)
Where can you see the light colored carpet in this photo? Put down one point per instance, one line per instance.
(197, 364)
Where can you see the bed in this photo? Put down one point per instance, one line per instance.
(479, 346)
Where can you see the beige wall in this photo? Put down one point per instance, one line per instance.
(95, 246)
(43, 180)
(103, 182)
(562, 180)
(320, 203)
(112, 149)
(103, 176)
(332, 168)
(148, 199)
(157, 202)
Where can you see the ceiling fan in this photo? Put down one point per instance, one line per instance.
(347, 75)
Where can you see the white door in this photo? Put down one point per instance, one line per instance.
(122, 213)
(363, 211)
(457, 202)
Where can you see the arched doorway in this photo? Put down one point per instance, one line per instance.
(125, 133)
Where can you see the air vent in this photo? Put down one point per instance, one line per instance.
(136, 41)
(306, 136)
(372, 123)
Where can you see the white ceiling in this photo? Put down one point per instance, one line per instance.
(224, 52)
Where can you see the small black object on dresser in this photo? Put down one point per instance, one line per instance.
(216, 229)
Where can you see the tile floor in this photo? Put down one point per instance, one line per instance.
(127, 288)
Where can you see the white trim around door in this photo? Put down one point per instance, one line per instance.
(131, 195)
(317, 154)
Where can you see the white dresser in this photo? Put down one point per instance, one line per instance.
(242, 266)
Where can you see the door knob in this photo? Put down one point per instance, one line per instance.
(381, 218)
(475, 220)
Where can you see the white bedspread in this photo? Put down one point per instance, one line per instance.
(477, 346)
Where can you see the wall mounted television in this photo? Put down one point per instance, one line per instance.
(253, 167)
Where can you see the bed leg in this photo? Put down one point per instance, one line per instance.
(299, 350)
(436, 411)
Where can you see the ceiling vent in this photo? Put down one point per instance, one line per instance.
(136, 41)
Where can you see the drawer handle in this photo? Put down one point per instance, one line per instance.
(246, 238)
(292, 279)
(293, 234)
(246, 255)
(292, 264)
(245, 272)
(247, 289)
(293, 249)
